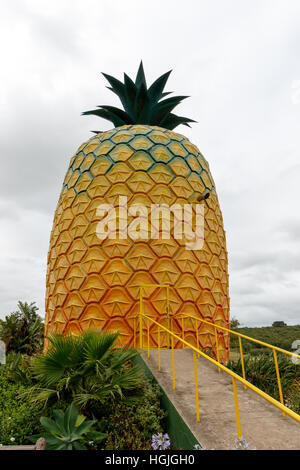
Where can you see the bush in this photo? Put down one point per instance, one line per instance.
(19, 419)
(87, 369)
(23, 331)
(90, 371)
(18, 369)
(260, 371)
(282, 337)
(130, 426)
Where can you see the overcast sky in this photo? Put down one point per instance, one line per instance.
(239, 62)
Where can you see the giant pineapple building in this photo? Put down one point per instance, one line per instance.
(95, 283)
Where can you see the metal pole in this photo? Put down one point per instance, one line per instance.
(173, 364)
(134, 333)
(148, 338)
(217, 346)
(242, 360)
(278, 379)
(140, 318)
(168, 315)
(197, 334)
(158, 348)
(237, 412)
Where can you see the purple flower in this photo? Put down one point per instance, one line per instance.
(242, 444)
(160, 441)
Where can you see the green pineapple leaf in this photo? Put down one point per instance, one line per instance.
(141, 105)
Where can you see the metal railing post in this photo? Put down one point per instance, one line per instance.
(236, 405)
(197, 335)
(158, 341)
(217, 347)
(148, 338)
(173, 363)
(278, 379)
(242, 360)
(140, 318)
(168, 315)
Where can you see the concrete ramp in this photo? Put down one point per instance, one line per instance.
(263, 425)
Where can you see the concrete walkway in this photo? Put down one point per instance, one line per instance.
(263, 425)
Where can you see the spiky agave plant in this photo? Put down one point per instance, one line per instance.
(93, 283)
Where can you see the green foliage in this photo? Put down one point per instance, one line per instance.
(278, 324)
(117, 402)
(86, 369)
(18, 368)
(281, 337)
(141, 105)
(260, 371)
(292, 398)
(23, 331)
(18, 417)
(234, 323)
(69, 430)
(130, 426)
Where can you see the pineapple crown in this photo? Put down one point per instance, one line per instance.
(141, 105)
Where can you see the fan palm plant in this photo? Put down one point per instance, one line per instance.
(86, 369)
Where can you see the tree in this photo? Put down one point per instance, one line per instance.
(234, 323)
(279, 324)
(23, 331)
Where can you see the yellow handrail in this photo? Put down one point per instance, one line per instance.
(240, 336)
(196, 350)
(234, 376)
(284, 351)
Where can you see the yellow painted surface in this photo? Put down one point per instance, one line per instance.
(93, 283)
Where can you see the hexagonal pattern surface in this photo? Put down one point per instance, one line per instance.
(94, 283)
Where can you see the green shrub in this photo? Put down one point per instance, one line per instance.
(23, 331)
(293, 397)
(130, 426)
(87, 369)
(19, 419)
(260, 371)
(18, 368)
(281, 337)
(108, 389)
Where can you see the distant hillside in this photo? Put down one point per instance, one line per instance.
(281, 337)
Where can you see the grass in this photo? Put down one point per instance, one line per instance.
(282, 337)
(260, 371)
(259, 361)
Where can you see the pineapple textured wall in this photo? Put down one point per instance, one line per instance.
(93, 283)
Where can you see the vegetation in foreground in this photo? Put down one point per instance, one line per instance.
(86, 381)
(86, 393)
